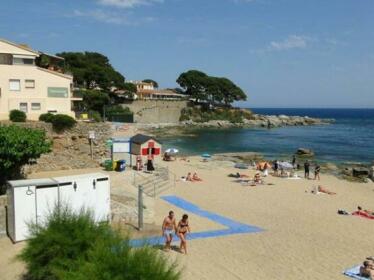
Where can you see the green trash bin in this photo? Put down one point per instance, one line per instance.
(108, 164)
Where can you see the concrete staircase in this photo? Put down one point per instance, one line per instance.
(156, 182)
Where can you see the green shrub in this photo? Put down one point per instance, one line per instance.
(95, 116)
(47, 117)
(17, 116)
(19, 146)
(206, 115)
(113, 258)
(119, 114)
(73, 247)
(65, 239)
(117, 109)
(61, 122)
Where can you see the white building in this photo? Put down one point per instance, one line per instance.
(26, 86)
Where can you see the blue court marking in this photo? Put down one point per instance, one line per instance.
(233, 227)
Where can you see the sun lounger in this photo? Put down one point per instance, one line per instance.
(354, 273)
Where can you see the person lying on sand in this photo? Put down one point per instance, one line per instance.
(238, 175)
(370, 212)
(323, 190)
(366, 213)
(367, 269)
(196, 178)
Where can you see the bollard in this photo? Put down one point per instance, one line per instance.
(140, 208)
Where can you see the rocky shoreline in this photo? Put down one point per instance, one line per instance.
(257, 121)
(265, 121)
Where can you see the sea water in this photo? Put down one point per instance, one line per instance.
(349, 139)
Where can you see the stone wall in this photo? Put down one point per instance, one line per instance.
(3, 203)
(71, 149)
(156, 111)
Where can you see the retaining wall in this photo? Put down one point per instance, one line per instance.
(156, 111)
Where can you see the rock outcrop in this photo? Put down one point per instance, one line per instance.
(262, 121)
(71, 149)
(305, 152)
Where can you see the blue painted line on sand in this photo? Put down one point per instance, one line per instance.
(233, 227)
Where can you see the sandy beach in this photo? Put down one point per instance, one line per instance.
(303, 237)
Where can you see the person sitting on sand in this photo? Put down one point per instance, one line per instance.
(182, 229)
(167, 157)
(367, 269)
(189, 177)
(257, 179)
(196, 178)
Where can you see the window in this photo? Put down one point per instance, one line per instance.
(35, 106)
(15, 85)
(23, 61)
(23, 107)
(29, 83)
(5, 58)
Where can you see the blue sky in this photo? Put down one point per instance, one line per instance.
(283, 53)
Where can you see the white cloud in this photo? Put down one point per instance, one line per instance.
(291, 42)
(128, 3)
(111, 17)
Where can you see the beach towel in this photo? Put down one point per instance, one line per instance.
(363, 215)
(354, 273)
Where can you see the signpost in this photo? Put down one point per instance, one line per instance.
(91, 137)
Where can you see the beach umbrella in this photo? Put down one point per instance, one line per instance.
(206, 155)
(285, 165)
(172, 151)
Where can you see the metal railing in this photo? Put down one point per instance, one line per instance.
(156, 182)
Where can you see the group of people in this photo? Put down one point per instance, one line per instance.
(193, 177)
(139, 163)
(295, 165)
(170, 226)
(367, 268)
(317, 171)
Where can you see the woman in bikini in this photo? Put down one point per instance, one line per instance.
(182, 229)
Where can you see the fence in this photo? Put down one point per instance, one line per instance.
(155, 183)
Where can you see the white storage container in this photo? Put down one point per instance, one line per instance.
(30, 201)
(88, 191)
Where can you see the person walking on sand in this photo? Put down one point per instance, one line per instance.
(182, 229)
(306, 169)
(168, 227)
(317, 170)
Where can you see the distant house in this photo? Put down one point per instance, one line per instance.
(142, 85)
(162, 94)
(146, 91)
(33, 82)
